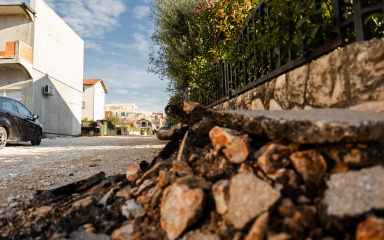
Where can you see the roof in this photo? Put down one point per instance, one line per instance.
(108, 113)
(143, 119)
(160, 114)
(17, 8)
(88, 82)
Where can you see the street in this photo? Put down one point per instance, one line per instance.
(25, 168)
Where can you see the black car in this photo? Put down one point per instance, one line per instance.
(17, 123)
(90, 127)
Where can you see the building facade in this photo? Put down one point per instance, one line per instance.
(41, 65)
(128, 112)
(93, 106)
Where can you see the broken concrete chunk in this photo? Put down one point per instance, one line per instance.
(180, 208)
(220, 191)
(235, 144)
(354, 193)
(133, 172)
(108, 198)
(81, 235)
(310, 165)
(132, 209)
(248, 197)
(194, 182)
(259, 228)
(182, 168)
(172, 134)
(275, 157)
(200, 236)
(124, 232)
(188, 112)
(74, 186)
(371, 229)
(164, 179)
(146, 184)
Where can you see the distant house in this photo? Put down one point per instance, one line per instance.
(145, 124)
(93, 105)
(157, 119)
(41, 65)
(128, 112)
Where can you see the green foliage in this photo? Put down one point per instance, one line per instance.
(85, 120)
(142, 131)
(175, 26)
(376, 23)
(115, 120)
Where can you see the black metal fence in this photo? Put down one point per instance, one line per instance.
(259, 66)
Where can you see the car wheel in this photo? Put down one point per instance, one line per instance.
(37, 139)
(3, 137)
(91, 133)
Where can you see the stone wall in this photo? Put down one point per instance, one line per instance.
(351, 77)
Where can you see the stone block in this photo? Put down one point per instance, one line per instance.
(354, 193)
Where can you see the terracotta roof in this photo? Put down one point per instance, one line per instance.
(93, 82)
(144, 120)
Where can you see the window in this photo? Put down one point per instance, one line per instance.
(83, 89)
(123, 114)
(8, 104)
(83, 105)
(23, 110)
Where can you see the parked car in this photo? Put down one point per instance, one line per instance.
(91, 128)
(17, 123)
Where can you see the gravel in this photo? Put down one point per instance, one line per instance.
(25, 168)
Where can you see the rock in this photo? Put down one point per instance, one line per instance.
(286, 208)
(12, 205)
(146, 184)
(180, 208)
(220, 191)
(74, 186)
(133, 172)
(188, 112)
(280, 236)
(125, 232)
(164, 179)
(274, 158)
(155, 170)
(82, 235)
(245, 168)
(310, 165)
(182, 168)
(124, 193)
(108, 198)
(172, 134)
(248, 197)
(132, 209)
(259, 228)
(235, 144)
(82, 203)
(40, 212)
(371, 229)
(200, 236)
(354, 193)
(200, 133)
(194, 182)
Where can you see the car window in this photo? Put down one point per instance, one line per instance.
(86, 124)
(8, 104)
(23, 110)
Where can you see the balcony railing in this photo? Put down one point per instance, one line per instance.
(259, 65)
(17, 49)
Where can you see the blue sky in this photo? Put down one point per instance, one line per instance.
(117, 43)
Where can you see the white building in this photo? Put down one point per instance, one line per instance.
(93, 105)
(41, 64)
(128, 112)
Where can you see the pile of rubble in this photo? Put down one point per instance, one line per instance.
(229, 175)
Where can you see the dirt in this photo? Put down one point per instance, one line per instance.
(25, 168)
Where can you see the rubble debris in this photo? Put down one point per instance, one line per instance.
(355, 192)
(228, 175)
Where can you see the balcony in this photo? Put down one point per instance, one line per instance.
(17, 55)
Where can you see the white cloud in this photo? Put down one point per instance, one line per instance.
(140, 45)
(91, 18)
(92, 45)
(111, 82)
(141, 11)
(121, 91)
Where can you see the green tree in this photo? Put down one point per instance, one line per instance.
(175, 29)
(115, 120)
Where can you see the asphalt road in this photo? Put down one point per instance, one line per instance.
(25, 168)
